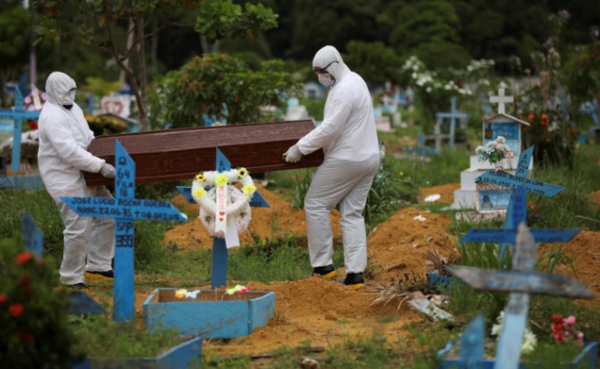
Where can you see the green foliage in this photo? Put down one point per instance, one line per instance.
(220, 86)
(303, 181)
(373, 61)
(104, 125)
(581, 73)
(386, 194)
(315, 107)
(100, 87)
(219, 19)
(14, 45)
(33, 311)
(101, 337)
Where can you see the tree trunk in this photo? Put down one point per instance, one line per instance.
(130, 34)
(204, 43)
(154, 51)
(143, 102)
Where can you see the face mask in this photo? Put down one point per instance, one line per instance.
(326, 80)
(69, 99)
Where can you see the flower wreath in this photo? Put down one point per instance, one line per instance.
(238, 201)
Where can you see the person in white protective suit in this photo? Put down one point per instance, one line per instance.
(348, 138)
(64, 137)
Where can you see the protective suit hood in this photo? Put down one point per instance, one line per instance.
(329, 56)
(58, 86)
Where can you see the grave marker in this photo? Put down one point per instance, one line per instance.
(453, 115)
(521, 282)
(33, 239)
(421, 149)
(472, 344)
(219, 262)
(125, 208)
(501, 100)
(18, 114)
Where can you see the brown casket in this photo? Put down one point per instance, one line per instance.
(176, 154)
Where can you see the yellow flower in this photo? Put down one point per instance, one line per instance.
(242, 173)
(249, 190)
(221, 180)
(199, 193)
(180, 293)
(201, 177)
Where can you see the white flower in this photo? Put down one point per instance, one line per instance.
(192, 294)
(420, 218)
(499, 147)
(414, 75)
(496, 329)
(491, 144)
(428, 89)
(415, 68)
(447, 87)
(501, 139)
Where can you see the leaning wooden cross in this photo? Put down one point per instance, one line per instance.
(125, 208)
(421, 149)
(18, 114)
(521, 282)
(33, 239)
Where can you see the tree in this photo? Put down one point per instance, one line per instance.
(14, 46)
(216, 19)
(220, 86)
(374, 61)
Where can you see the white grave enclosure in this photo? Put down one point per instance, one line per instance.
(503, 125)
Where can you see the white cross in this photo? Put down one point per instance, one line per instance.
(501, 100)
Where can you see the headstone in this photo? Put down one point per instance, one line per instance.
(383, 124)
(116, 104)
(503, 125)
(18, 114)
(454, 115)
(125, 208)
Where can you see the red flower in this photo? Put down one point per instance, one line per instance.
(16, 310)
(547, 140)
(25, 280)
(557, 319)
(530, 117)
(575, 148)
(33, 125)
(24, 335)
(23, 258)
(2, 298)
(530, 204)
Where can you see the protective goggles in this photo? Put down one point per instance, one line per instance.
(324, 70)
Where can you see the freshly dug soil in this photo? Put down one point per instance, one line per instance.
(278, 221)
(402, 239)
(585, 250)
(445, 191)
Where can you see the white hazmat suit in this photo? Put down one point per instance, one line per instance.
(64, 137)
(348, 138)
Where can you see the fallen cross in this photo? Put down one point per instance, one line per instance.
(125, 208)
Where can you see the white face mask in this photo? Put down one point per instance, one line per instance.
(326, 80)
(69, 98)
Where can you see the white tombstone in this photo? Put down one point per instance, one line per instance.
(117, 105)
(502, 124)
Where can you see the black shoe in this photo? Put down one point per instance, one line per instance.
(354, 280)
(109, 275)
(326, 272)
(78, 286)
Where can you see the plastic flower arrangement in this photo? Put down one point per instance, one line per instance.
(494, 151)
(529, 339)
(563, 330)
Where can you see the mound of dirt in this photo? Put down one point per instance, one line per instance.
(585, 250)
(445, 191)
(595, 198)
(280, 220)
(404, 239)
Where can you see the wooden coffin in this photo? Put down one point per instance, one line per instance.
(177, 154)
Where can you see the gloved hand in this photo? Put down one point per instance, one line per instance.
(107, 170)
(293, 155)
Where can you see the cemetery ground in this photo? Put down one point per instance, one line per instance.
(337, 326)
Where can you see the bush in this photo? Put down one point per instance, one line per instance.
(103, 125)
(33, 312)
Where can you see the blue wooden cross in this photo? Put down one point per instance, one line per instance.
(521, 282)
(421, 149)
(125, 208)
(33, 239)
(590, 109)
(91, 104)
(18, 114)
(472, 343)
(453, 115)
(219, 260)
